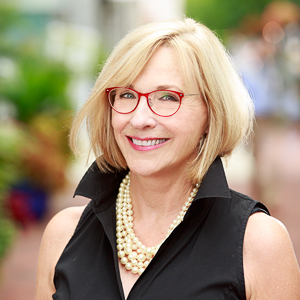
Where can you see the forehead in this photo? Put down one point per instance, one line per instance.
(162, 69)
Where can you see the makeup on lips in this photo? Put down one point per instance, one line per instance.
(145, 144)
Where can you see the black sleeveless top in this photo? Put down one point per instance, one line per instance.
(201, 259)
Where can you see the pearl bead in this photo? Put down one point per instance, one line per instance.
(121, 254)
(120, 241)
(120, 246)
(141, 257)
(127, 250)
(130, 256)
(124, 260)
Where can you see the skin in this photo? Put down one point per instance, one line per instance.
(159, 189)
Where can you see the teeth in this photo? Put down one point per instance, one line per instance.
(148, 143)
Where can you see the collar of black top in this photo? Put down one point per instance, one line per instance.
(96, 184)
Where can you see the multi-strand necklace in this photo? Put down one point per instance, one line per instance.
(132, 253)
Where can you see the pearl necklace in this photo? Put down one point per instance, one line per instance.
(132, 253)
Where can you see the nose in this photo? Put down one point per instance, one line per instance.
(142, 116)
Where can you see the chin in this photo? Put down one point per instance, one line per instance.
(144, 168)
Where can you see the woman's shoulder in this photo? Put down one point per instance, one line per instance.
(60, 229)
(270, 265)
(56, 236)
(265, 234)
(63, 224)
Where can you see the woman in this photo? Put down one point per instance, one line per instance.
(162, 222)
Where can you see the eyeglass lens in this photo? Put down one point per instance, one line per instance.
(164, 103)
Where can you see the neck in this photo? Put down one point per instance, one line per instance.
(158, 197)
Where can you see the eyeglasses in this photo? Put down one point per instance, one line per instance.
(164, 103)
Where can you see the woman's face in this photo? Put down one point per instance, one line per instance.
(176, 136)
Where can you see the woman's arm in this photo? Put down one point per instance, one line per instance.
(55, 238)
(270, 265)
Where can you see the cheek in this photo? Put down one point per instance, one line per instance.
(117, 122)
(114, 120)
(197, 127)
(196, 120)
(116, 128)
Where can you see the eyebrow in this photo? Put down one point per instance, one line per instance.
(168, 87)
(164, 87)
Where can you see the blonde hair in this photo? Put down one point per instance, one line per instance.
(206, 66)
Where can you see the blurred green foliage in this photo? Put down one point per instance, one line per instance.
(220, 15)
(39, 86)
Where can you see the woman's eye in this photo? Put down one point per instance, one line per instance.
(168, 97)
(127, 95)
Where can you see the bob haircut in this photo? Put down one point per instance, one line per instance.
(207, 69)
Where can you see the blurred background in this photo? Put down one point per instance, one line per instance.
(50, 54)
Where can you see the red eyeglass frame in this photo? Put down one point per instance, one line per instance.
(180, 95)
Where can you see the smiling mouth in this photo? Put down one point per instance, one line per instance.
(147, 142)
